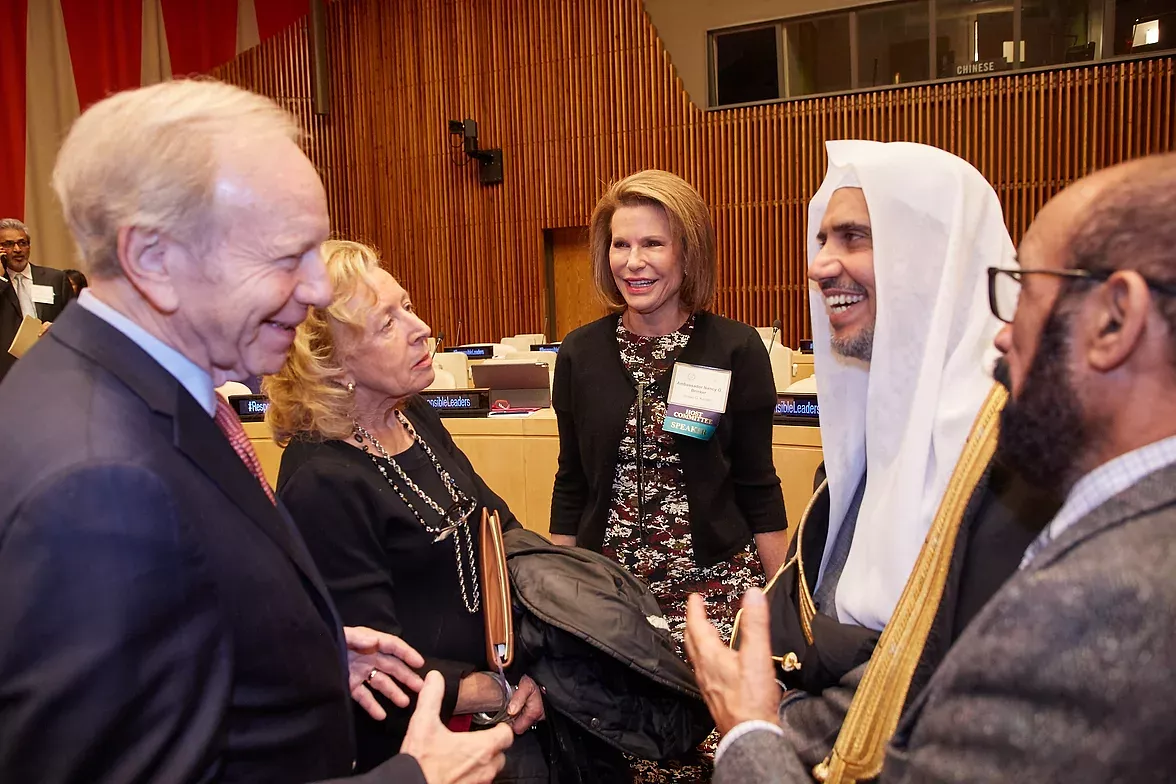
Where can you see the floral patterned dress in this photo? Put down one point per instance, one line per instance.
(648, 529)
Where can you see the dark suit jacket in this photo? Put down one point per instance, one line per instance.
(161, 620)
(10, 315)
(1065, 675)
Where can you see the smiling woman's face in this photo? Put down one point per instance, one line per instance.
(390, 358)
(645, 260)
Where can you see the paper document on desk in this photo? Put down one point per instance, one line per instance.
(26, 336)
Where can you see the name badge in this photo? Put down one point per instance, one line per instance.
(42, 294)
(697, 400)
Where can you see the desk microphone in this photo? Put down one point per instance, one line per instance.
(438, 343)
(775, 331)
(457, 340)
(545, 329)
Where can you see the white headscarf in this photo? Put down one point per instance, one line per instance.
(936, 225)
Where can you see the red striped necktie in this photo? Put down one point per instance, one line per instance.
(230, 425)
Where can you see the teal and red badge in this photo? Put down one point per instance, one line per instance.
(697, 400)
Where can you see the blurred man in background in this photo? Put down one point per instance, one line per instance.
(25, 288)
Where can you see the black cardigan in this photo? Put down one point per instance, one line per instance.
(731, 483)
(381, 566)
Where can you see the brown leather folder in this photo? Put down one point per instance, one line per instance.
(495, 593)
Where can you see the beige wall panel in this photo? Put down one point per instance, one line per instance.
(247, 33)
(52, 105)
(156, 64)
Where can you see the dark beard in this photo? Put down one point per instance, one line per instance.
(860, 346)
(1043, 431)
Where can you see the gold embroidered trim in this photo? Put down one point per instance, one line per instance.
(806, 601)
(873, 716)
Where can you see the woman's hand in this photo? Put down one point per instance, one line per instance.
(526, 706)
(376, 660)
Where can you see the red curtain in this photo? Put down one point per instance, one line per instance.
(274, 16)
(105, 46)
(13, 86)
(200, 36)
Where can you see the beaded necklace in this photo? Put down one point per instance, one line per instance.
(460, 510)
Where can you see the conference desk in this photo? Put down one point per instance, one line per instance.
(517, 458)
(802, 366)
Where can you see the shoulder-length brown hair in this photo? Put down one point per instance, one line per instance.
(308, 396)
(689, 221)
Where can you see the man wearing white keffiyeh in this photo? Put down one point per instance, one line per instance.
(898, 413)
(899, 239)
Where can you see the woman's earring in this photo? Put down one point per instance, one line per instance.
(351, 387)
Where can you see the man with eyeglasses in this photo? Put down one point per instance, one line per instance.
(26, 289)
(1065, 674)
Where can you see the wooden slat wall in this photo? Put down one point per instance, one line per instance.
(581, 92)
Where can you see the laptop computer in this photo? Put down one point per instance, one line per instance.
(519, 384)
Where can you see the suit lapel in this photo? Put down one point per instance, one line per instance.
(196, 434)
(198, 437)
(8, 294)
(1155, 490)
(8, 298)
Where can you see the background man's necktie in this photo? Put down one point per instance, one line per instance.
(24, 296)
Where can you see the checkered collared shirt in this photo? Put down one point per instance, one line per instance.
(1102, 484)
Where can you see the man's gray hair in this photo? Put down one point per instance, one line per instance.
(13, 223)
(147, 158)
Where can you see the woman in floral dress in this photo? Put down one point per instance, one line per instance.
(686, 514)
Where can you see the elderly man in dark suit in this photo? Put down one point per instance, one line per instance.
(162, 618)
(25, 288)
(1065, 674)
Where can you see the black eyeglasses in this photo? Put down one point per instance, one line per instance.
(1004, 286)
(13, 244)
(456, 516)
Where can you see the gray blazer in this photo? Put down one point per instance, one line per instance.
(1065, 675)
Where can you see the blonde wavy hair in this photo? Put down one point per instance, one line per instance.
(307, 396)
(689, 221)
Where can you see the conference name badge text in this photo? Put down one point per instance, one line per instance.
(697, 400)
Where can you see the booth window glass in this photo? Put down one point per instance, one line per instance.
(816, 55)
(746, 65)
(974, 38)
(1142, 26)
(1059, 31)
(893, 45)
